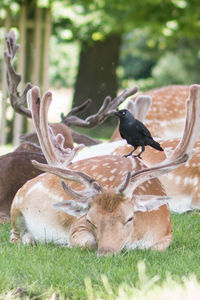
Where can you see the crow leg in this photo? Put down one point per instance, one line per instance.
(135, 147)
(139, 154)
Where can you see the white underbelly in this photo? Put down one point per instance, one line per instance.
(45, 232)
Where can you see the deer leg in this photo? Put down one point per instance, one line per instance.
(19, 230)
(135, 148)
(82, 235)
(163, 244)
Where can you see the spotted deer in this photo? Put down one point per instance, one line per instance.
(107, 202)
(166, 116)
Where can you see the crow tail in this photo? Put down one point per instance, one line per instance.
(155, 145)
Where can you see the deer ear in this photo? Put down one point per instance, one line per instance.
(72, 207)
(145, 203)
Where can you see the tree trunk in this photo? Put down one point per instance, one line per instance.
(96, 77)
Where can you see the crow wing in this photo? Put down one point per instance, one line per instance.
(143, 130)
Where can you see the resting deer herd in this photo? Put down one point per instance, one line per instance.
(96, 197)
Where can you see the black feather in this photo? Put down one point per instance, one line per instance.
(135, 132)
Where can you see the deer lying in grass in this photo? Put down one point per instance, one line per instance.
(166, 116)
(16, 169)
(108, 214)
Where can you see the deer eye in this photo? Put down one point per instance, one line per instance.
(91, 223)
(129, 220)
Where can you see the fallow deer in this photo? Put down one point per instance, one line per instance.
(166, 116)
(16, 169)
(110, 213)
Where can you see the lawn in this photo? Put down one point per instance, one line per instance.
(40, 271)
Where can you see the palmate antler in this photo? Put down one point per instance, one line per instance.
(140, 107)
(107, 109)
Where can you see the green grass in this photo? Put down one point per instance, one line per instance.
(41, 270)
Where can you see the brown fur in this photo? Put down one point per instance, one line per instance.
(109, 202)
(57, 128)
(16, 168)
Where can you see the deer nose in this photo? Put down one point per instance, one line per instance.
(105, 251)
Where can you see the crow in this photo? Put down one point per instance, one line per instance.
(135, 132)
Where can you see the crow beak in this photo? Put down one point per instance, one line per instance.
(116, 113)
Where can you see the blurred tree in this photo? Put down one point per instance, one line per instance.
(99, 26)
(95, 22)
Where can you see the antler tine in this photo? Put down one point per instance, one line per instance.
(191, 130)
(184, 150)
(76, 110)
(107, 109)
(140, 107)
(123, 186)
(121, 98)
(52, 146)
(13, 79)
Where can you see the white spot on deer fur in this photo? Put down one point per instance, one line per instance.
(178, 179)
(170, 176)
(186, 180)
(105, 164)
(113, 170)
(111, 178)
(94, 167)
(104, 179)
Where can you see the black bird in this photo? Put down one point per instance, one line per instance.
(134, 132)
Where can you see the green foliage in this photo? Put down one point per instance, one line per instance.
(41, 270)
(170, 70)
(63, 62)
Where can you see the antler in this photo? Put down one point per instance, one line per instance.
(106, 110)
(184, 150)
(57, 156)
(140, 107)
(13, 79)
(19, 102)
